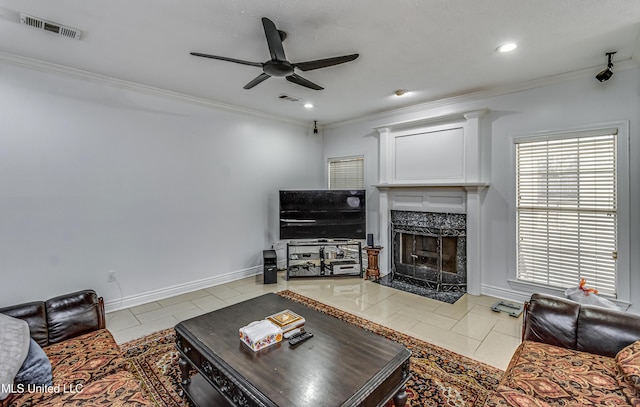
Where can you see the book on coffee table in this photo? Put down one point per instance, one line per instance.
(286, 320)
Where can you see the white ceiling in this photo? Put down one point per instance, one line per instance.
(434, 48)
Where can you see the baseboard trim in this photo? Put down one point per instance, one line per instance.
(506, 294)
(185, 288)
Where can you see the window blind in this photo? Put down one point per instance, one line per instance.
(566, 211)
(347, 173)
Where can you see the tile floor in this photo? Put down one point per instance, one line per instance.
(468, 327)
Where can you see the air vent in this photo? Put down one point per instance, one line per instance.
(289, 98)
(50, 26)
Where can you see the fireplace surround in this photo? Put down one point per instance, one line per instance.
(429, 249)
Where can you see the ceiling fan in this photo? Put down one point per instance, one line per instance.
(278, 64)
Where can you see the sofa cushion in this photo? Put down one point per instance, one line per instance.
(77, 362)
(560, 376)
(36, 369)
(513, 398)
(605, 331)
(35, 315)
(14, 347)
(85, 358)
(628, 362)
(630, 392)
(72, 314)
(552, 320)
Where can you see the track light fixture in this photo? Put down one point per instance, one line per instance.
(606, 73)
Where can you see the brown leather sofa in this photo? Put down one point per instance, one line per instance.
(87, 365)
(572, 355)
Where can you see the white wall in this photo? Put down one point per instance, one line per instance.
(169, 194)
(572, 102)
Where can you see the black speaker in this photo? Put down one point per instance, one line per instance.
(370, 240)
(270, 272)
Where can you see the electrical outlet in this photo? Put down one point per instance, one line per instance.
(111, 276)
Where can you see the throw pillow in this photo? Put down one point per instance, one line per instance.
(628, 361)
(14, 346)
(36, 368)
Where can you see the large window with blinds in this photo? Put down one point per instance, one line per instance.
(346, 173)
(567, 210)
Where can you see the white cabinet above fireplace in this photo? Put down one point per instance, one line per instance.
(437, 151)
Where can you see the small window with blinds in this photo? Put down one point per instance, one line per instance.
(346, 173)
(567, 210)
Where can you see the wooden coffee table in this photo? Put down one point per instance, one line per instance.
(342, 365)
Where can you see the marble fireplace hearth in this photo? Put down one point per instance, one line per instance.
(399, 284)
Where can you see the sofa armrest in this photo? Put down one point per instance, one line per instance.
(74, 314)
(568, 324)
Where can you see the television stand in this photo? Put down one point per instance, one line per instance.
(324, 258)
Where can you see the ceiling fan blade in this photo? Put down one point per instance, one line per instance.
(323, 63)
(295, 78)
(273, 40)
(237, 61)
(258, 79)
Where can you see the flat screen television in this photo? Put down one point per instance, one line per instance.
(323, 214)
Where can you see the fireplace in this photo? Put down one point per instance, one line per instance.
(429, 249)
(433, 171)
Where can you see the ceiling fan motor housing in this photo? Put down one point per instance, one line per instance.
(277, 68)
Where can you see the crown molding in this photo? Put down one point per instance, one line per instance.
(48, 67)
(483, 94)
(427, 120)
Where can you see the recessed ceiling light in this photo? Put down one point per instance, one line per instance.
(308, 105)
(401, 92)
(508, 47)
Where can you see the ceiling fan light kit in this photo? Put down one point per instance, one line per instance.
(278, 64)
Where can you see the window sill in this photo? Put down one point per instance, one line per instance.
(559, 292)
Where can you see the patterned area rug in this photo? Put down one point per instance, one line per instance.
(154, 359)
(439, 377)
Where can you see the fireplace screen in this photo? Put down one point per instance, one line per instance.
(431, 252)
(430, 249)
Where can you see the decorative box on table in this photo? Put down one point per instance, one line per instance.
(260, 334)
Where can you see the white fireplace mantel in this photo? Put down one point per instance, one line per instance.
(465, 185)
(435, 164)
